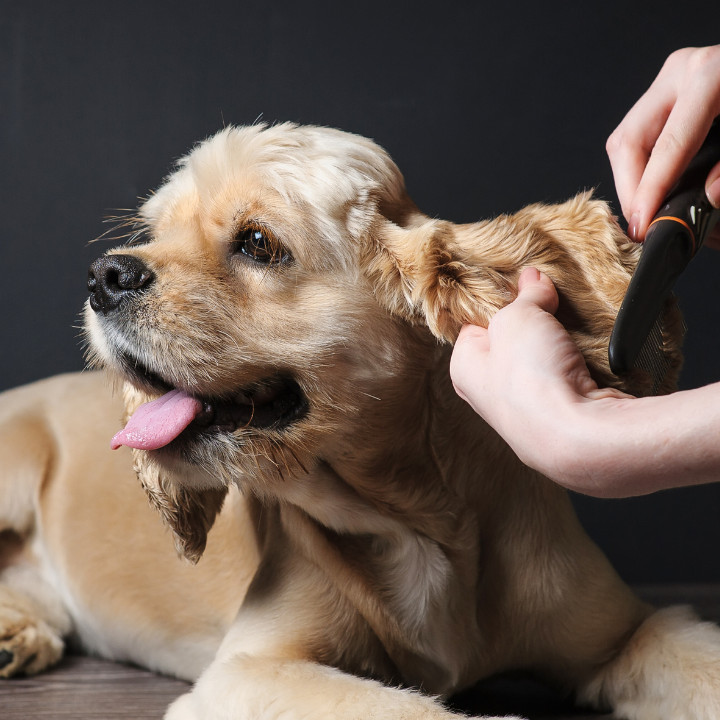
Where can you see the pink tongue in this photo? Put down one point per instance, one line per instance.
(154, 424)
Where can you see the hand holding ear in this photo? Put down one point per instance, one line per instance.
(523, 373)
(499, 370)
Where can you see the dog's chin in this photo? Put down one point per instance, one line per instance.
(269, 406)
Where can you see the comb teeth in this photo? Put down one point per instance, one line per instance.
(651, 357)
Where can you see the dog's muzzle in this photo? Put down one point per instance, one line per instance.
(114, 278)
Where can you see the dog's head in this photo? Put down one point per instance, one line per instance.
(282, 295)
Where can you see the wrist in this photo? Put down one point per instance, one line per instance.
(588, 443)
(621, 446)
(598, 445)
(552, 434)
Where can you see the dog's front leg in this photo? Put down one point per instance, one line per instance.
(244, 687)
(670, 668)
(279, 659)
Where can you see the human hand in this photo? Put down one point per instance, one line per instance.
(663, 131)
(523, 373)
(525, 376)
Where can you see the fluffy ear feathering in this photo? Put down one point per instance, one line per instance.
(445, 275)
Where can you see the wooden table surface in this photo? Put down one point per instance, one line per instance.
(86, 688)
(82, 688)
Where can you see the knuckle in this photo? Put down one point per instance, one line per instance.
(612, 143)
(617, 142)
(704, 61)
(703, 75)
(679, 57)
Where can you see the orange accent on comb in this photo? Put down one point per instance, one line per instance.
(677, 220)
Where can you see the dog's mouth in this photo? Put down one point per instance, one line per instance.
(273, 403)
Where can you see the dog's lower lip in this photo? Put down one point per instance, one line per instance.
(272, 404)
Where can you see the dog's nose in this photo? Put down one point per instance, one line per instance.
(112, 278)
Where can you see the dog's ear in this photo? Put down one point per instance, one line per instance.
(422, 273)
(188, 512)
(444, 275)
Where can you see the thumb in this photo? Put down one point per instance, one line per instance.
(537, 288)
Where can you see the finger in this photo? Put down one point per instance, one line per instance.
(712, 186)
(679, 141)
(630, 145)
(537, 288)
(468, 358)
(712, 190)
(473, 335)
(693, 76)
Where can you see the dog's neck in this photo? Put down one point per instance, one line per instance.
(407, 510)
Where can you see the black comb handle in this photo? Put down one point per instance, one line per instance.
(673, 238)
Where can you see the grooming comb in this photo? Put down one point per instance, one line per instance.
(677, 232)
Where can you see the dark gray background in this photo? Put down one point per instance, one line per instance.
(485, 107)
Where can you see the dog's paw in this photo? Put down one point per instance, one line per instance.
(181, 709)
(184, 709)
(248, 687)
(27, 645)
(670, 668)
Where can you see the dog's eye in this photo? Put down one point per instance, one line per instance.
(259, 246)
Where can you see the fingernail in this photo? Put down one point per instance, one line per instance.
(528, 275)
(634, 227)
(713, 193)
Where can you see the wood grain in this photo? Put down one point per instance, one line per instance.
(82, 688)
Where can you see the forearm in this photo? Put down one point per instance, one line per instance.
(619, 447)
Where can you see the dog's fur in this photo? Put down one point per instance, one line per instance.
(383, 539)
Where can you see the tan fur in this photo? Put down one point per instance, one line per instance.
(385, 538)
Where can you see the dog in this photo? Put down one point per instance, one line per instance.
(275, 338)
